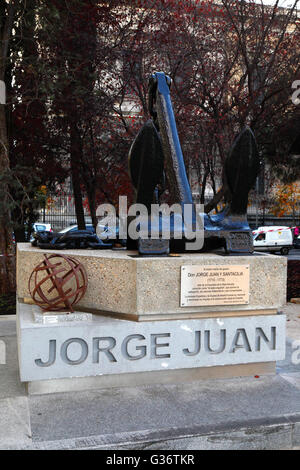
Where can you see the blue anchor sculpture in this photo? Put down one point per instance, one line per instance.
(156, 156)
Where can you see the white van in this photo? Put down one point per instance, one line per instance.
(273, 239)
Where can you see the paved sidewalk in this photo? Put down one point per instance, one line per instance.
(239, 413)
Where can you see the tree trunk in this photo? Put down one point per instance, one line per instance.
(75, 149)
(7, 251)
(203, 188)
(92, 206)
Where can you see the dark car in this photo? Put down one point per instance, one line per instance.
(74, 228)
(297, 242)
(72, 238)
(104, 233)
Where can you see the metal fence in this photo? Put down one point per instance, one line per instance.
(60, 212)
(267, 212)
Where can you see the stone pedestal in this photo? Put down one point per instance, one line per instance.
(131, 328)
(126, 286)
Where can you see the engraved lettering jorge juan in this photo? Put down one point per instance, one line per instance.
(137, 346)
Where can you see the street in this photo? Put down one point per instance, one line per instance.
(294, 254)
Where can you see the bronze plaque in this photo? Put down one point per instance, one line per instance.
(214, 285)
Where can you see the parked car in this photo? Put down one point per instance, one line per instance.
(42, 227)
(297, 242)
(74, 228)
(273, 239)
(72, 237)
(103, 232)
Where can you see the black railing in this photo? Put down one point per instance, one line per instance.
(60, 212)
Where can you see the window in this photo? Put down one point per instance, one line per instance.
(260, 237)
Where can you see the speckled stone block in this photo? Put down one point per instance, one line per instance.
(122, 284)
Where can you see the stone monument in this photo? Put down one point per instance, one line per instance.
(146, 315)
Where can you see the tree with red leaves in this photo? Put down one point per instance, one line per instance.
(33, 159)
(232, 64)
(75, 51)
(77, 86)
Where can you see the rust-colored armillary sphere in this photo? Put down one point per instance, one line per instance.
(57, 283)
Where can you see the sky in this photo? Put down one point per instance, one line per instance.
(282, 3)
